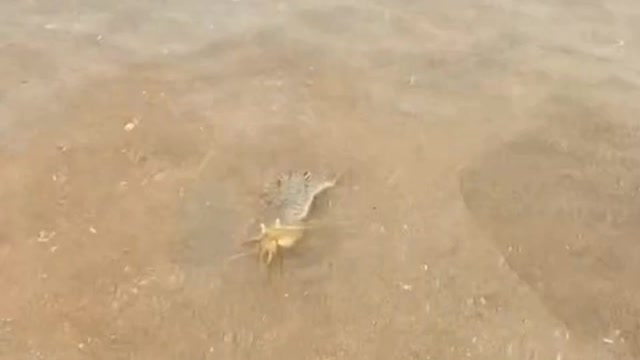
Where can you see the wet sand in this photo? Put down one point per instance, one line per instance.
(488, 209)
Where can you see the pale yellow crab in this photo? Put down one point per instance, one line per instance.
(274, 238)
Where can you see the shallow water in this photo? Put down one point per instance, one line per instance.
(490, 152)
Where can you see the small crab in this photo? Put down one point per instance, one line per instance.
(273, 239)
(289, 200)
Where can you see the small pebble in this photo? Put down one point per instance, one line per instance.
(44, 236)
(129, 126)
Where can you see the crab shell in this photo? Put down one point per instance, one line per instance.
(274, 237)
(280, 236)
